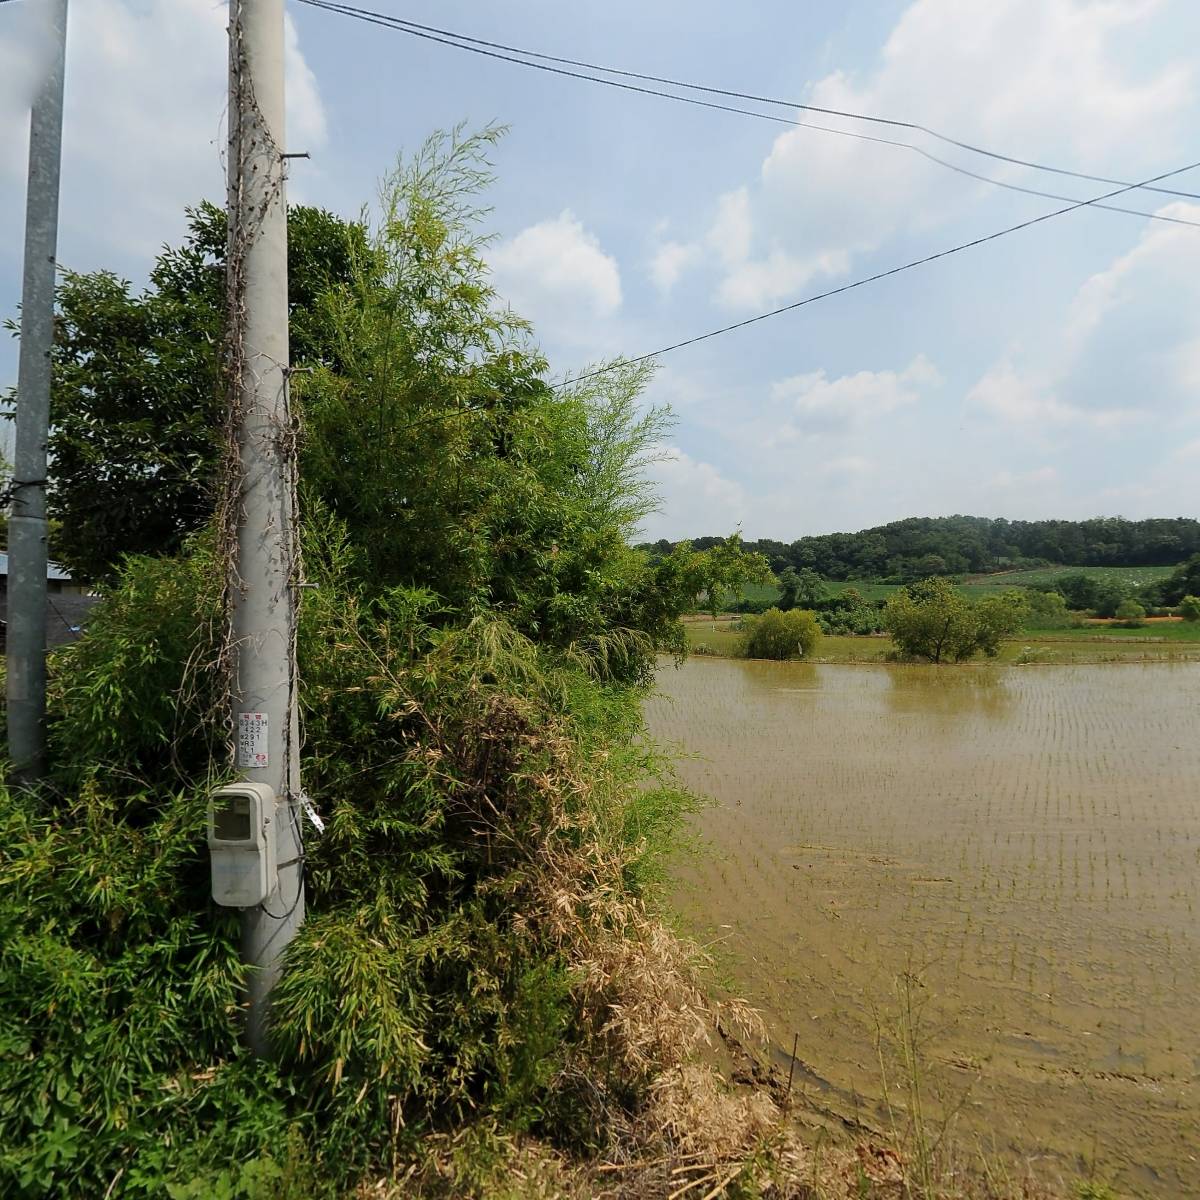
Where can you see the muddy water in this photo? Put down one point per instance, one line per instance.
(999, 865)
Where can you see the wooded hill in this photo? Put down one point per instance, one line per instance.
(918, 547)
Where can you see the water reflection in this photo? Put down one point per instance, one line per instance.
(1028, 836)
(950, 691)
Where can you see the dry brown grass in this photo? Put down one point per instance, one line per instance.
(670, 1126)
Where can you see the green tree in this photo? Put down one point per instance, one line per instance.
(931, 619)
(439, 443)
(428, 425)
(1183, 581)
(1080, 590)
(1047, 610)
(789, 587)
(999, 617)
(781, 635)
(495, 816)
(1130, 613)
(1189, 608)
(136, 405)
(801, 589)
(810, 589)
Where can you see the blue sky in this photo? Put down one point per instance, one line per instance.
(1055, 372)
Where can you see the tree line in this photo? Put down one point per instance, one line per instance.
(921, 547)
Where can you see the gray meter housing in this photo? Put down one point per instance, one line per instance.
(241, 844)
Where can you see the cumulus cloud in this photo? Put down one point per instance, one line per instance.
(1131, 329)
(1027, 399)
(1130, 349)
(670, 261)
(986, 73)
(557, 274)
(818, 404)
(143, 128)
(688, 485)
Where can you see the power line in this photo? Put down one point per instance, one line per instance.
(837, 291)
(402, 26)
(475, 45)
(857, 283)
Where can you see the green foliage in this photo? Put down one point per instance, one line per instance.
(932, 620)
(1085, 591)
(1047, 610)
(919, 547)
(1130, 614)
(136, 405)
(475, 765)
(119, 985)
(470, 665)
(1092, 1189)
(439, 442)
(801, 589)
(1183, 581)
(1189, 608)
(849, 613)
(781, 635)
(999, 617)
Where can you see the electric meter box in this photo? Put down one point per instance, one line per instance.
(240, 843)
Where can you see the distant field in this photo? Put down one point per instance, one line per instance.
(757, 591)
(1131, 577)
(1093, 643)
(983, 585)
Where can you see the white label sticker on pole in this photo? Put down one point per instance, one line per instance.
(252, 739)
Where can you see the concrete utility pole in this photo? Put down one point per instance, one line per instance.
(263, 583)
(26, 649)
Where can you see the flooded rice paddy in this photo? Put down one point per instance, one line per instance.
(1014, 851)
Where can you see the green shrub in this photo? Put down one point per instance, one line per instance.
(780, 635)
(1047, 610)
(1189, 608)
(494, 824)
(1130, 614)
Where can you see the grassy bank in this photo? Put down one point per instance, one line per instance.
(1091, 643)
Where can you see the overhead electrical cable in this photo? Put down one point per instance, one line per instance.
(857, 283)
(442, 36)
(837, 291)
(499, 50)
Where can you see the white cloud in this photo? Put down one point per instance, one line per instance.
(731, 230)
(987, 73)
(688, 485)
(1027, 399)
(848, 466)
(818, 404)
(143, 128)
(1024, 479)
(557, 274)
(26, 45)
(1130, 348)
(669, 262)
(306, 127)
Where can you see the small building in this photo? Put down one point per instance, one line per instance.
(67, 604)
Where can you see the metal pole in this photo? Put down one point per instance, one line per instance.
(263, 576)
(26, 649)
